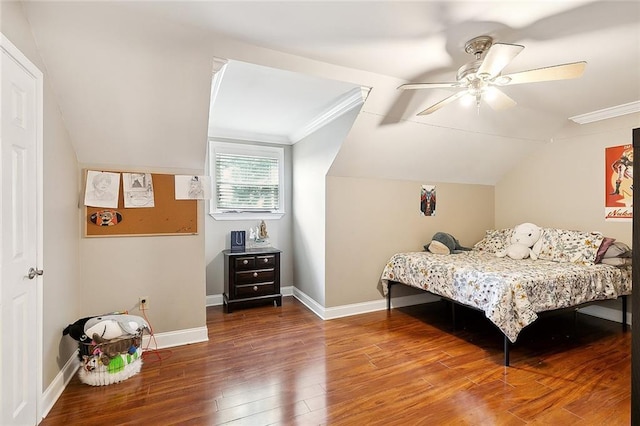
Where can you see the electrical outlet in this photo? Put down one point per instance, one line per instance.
(143, 302)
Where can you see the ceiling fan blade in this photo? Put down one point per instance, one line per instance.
(497, 99)
(413, 86)
(555, 72)
(443, 102)
(498, 57)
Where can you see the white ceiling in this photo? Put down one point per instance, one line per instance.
(264, 104)
(423, 41)
(132, 79)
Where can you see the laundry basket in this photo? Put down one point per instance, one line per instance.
(110, 361)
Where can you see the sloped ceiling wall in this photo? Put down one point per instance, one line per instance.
(133, 88)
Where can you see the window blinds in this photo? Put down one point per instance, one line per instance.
(247, 183)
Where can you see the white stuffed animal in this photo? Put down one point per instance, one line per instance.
(524, 237)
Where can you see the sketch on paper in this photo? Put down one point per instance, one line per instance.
(428, 200)
(102, 189)
(138, 190)
(192, 187)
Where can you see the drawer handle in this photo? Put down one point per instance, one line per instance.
(245, 262)
(255, 288)
(255, 274)
(266, 260)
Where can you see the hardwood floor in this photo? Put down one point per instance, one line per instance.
(284, 366)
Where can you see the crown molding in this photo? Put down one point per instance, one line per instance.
(351, 99)
(606, 113)
(248, 136)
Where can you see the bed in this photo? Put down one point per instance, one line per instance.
(513, 293)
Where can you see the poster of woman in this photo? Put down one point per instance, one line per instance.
(619, 183)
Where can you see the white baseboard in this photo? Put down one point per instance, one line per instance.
(605, 313)
(397, 302)
(159, 341)
(54, 390)
(360, 308)
(213, 300)
(170, 339)
(217, 300)
(339, 311)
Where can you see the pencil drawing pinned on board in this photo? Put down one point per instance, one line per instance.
(138, 190)
(192, 187)
(102, 189)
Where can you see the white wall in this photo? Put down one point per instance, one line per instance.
(218, 236)
(312, 158)
(61, 282)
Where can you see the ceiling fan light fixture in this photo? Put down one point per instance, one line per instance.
(482, 77)
(467, 100)
(502, 80)
(490, 93)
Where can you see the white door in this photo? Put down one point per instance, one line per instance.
(20, 136)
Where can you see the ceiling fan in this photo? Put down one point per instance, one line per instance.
(481, 77)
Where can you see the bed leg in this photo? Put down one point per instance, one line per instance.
(389, 296)
(624, 313)
(453, 315)
(506, 351)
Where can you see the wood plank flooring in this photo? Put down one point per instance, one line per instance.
(284, 366)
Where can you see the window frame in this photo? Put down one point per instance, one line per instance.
(246, 149)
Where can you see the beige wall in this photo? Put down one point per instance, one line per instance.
(168, 270)
(61, 278)
(562, 184)
(368, 220)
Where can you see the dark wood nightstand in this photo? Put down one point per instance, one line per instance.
(251, 277)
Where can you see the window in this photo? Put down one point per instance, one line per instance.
(248, 181)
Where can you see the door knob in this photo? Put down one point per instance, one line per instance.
(33, 272)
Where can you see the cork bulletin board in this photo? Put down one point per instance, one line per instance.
(168, 216)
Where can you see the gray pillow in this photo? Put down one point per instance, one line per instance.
(617, 249)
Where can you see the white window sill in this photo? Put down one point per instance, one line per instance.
(246, 216)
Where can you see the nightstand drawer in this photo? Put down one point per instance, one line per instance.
(248, 290)
(245, 262)
(266, 261)
(255, 276)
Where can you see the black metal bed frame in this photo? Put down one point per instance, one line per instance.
(507, 343)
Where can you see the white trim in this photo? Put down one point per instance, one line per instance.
(246, 216)
(360, 308)
(605, 113)
(170, 339)
(352, 99)
(213, 300)
(397, 302)
(59, 383)
(605, 313)
(217, 299)
(29, 66)
(220, 133)
(162, 340)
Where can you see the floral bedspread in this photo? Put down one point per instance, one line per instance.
(510, 292)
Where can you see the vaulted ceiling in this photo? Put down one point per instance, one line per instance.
(132, 79)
